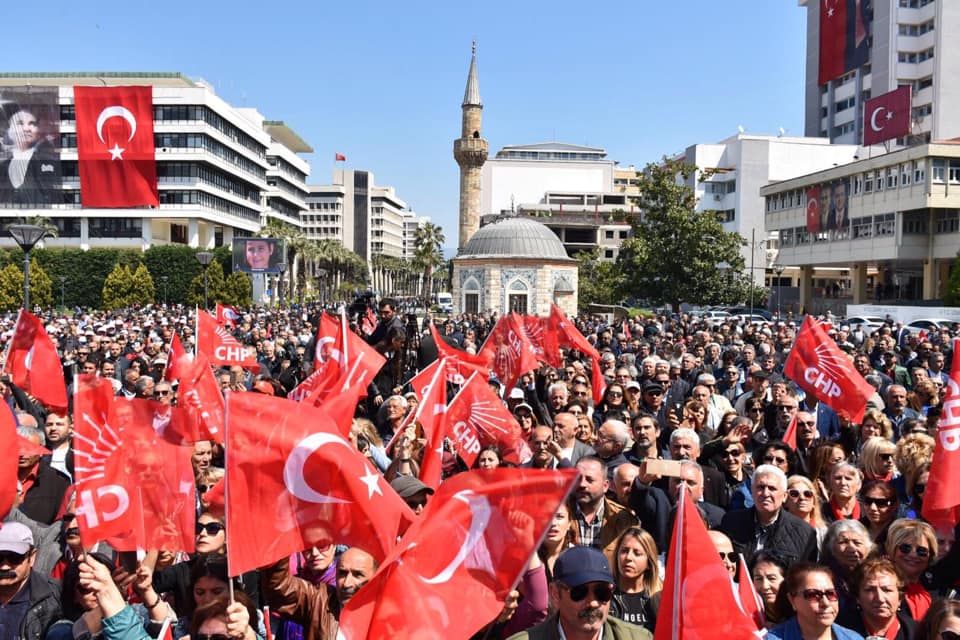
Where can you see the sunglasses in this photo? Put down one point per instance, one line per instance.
(886, 457)
(163, 393)
(11, 558)
(614, 394)
(72, 531)
(732, 453)
(786, 407)
(877, 502)
(601, 592)
(211, 528)
(774, 460)
(796, 493)
(730, 556)
(815, 595)
(907, 549)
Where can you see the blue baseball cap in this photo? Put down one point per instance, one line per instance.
(581, 565)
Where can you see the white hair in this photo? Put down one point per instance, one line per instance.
(684, 432)
(774, 471)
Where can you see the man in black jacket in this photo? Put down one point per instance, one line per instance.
(29, 601)
(43, 486)
(767, 526)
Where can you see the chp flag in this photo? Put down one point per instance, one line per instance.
(220, 346)
(115, 147)
(941, 501)
(887, 116)
(819, 367)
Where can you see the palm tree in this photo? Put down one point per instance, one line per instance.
(428, 255)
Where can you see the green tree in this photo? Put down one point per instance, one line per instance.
(118, 288)
(41, 287)
(598, 279)
(676, 252)
(178, 263)
(428, 255)
(951, 297)
(215, 285)
(237, 290)
(143, 292)
(11, 288)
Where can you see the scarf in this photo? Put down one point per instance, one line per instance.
(838, 515)
(918, 599)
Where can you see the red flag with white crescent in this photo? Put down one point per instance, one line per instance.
(33, 364)
(227, 315)
(887, 116)
(199, 414)
(471, 544)
(472, 361)
(430, 414)
(8, 464)
(941, 500)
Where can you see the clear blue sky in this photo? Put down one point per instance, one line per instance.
(382, 82)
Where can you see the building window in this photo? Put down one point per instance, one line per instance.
(115, 227)
(885, 225)
(624, 234)
(918, 172)
(915, 224)
(947, 221)
(891, 177)
(939, 171)
(471, 303)
(608, 254)
(954, 171)
(862, 227)
(786, 238)
(879, 178)
(608, 234)
(857, 183)
(868, 182)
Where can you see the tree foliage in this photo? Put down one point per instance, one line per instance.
(144, 292)
(237, 290)
(118, 288)
(951, 296)
(676, 253)
(215, 285)
(598, 279)
(11, 287)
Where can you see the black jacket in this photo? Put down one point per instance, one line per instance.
(44, 607)
(791, 538)
(42, 501)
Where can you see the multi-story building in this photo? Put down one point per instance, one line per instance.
(411, 223)
(386, 220)
(911, 42)
(220, 170)
(888, 224)
(731, 172)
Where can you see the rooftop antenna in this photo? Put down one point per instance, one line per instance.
(780, 132)
(740, 128)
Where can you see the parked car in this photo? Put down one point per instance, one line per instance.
(757, 311)
(869, 323)
(929, 324)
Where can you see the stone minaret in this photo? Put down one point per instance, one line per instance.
(470, 151)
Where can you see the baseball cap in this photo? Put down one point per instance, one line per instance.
(523, 405)
(652, 386)
(581, 565)
(633, 384)
(409, 486)
(516, 394)
(15, 537)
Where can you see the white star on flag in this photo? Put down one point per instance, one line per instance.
(889, 115)
(371, 480)
(116, 153)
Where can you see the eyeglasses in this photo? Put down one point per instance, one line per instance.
(886, 457)
(877, 502)
(756, 408)
(732, 453)
(730, 556)
(72, 531)
(12, 559)
(162, 392)
(796, 493)
(787, 407)
(614, 394)
(774, 460)
(807, 423)
(601, 592)
(413, 503)
(907, 549)
(211, 528)
(524, 416)
(815, 595)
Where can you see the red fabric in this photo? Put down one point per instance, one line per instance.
(28, 448)
(358, 363)
(918, 600)
(133, 488)
(790, 435)
(430, 414)
(891, 633)
(470, 545)
(813, 209)
(887, 116)
(227, 315)
(220, 346)
(819, 367)
(476, 417)
(545, 344)
(34, 365)
(567, 334)
(941, 501)
(342, 406)
(833, 40)
(199, 414)
(8, 464)
(291, 472)
(838, 514)
(177, 352)
(117, 159)
(214, 499)
(338, 157)
(697, 600)
(597, 382)
(509, 350)
(472, 361)
(750, 602)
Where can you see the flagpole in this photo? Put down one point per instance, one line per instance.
(226, 480)
(677, 569)
(6, 354)
(196, 331)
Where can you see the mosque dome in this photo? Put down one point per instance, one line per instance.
(515, 237)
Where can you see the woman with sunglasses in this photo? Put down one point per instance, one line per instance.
(873, 424)
(613, 404)
(810, 602)
(912, 545)
(881, 507)
(803, 501)
(916, 487)
(942, 621)
(636, 576)
(878, 586)
(913, 450)
(877, 460)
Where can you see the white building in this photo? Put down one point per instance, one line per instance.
(912, 42)
(731, 172)
(411, 223)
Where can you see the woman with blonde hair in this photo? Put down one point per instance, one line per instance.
(636, 575)
(913, 451)
(912, 545)
(803, 501)
(874, 423)
(877, 460)
(925, 395)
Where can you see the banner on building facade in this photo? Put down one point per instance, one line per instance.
(887, 116)
(844, 37)
(259, 255)
(828, 206)
(30, 173)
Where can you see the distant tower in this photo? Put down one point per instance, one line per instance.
(470, 151)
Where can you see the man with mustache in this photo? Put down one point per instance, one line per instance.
(29, 602)
(582, 588)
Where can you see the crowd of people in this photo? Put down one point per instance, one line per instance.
(831, 530)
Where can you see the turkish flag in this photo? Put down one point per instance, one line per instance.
(509, 350)
(818, 366)
(199, 414)
(844, 41)
(430, 413)
(222, 349)
(133, 488)
(33, 364)
(8, 464)
(790, 435)
(470, 545)
(339, 157)
(941, 501)
(887, 116)
(477, 417)
(813, 209)
(750, 602)
(473, 361)
(697, 600)
(227, 314)
(597, 382)
(172, 372)
(117, 159)
(567, 334)
(359, 363)
(290, 471)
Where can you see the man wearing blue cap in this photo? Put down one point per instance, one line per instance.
(582, 589)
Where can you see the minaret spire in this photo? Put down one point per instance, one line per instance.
(470, 151)
(472, 94)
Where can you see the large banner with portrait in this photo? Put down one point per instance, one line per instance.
(30, 173)
(827, 206)
(259, 255)
(844, 37)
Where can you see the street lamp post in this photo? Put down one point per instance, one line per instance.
(164, 278)
(283, 269)
(63, 287)
(205, 258)
(27, 236)
(778, 270)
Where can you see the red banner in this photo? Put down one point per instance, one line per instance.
(509, 351)
(8, 464)
(813, 209)
(941, 501)
(887, 116)
(819, 367)
(33, 363)
(222, 349)
(430, 414)
(844, 37)
(476, 417)
(227, 315)
(199, 413)
(470, 545)
(115, 148)
(177, 352)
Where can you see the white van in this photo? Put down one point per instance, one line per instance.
(445, 302)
